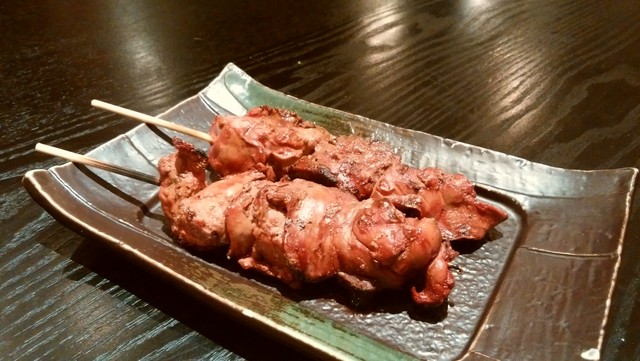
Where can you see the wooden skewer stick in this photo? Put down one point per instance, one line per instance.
(151, 120)
(83, 159)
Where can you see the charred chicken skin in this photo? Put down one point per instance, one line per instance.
(350, 163)
(449, 198)
(265, 139)
(300, 231)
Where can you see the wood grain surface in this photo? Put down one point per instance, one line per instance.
(555, 82)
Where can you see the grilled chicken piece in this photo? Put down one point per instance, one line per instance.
(449, 198)
(300, 231)
(350, 163)
(197, 212)
(438, 279)
(265, 139)
(182, 174)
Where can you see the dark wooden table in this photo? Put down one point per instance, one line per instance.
(555, 82)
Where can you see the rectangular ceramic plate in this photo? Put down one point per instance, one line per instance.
(539, 290)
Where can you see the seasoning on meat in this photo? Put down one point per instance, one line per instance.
(350, 163)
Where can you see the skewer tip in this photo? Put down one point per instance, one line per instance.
(151, 120)
(83, 159)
